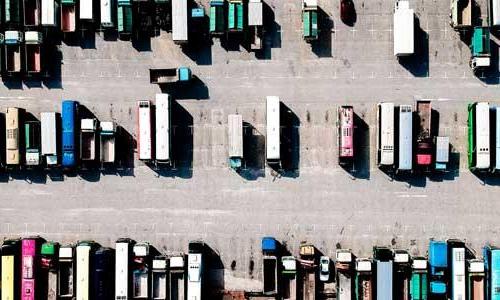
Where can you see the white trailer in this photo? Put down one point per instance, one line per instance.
(144, 131)
(255, 23)
(86, 8)
(49, 137)
(494, 7)
(179, 21)
(458, 273)
(49, 13)
(273, 130)
(404, 29)
(405, 138)
(122, 269)
(106, 14)
(195, 271)
(83, 272)
(235, 138)
(163, 140)
(385, 136)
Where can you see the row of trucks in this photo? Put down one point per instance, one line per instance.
(33, 268)
(22, 53)
(42, 146)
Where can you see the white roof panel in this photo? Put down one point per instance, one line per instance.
(145, 130)
(363, 265)
(106, 12)
(343, 256)
(48, 13)
(177, 262)
(273, 128)
(163, 127)
(65, 252)
(85, 9)
(404, 29)
(49, 136)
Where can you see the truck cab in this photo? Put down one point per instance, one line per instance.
(310, 20)
(438, 262)
(141, 274)
(419, 278)
(170, 75)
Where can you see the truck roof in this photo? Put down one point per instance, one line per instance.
(255, 9)
(88, 124)
(268, 244)
(177, 262)
(179, 20)
(108, 127)
(403, 29)
(343, 256)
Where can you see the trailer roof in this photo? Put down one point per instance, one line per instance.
(273, 127)
(442, 149)
(255, 9)
(179, 20)
(403, 29)
(235, 131)
(48, 13)
(48, 133)
(86, 9)
(163, 127)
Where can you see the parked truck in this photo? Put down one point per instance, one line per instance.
(344, 268)
(195, 276)
(49, 138)
(384, 259)
(32, 143)
(475, 279)
(235, 16)
(68, 16)
(425, 145)
(461, 14)
(124, 17)
(364, 279)
(32, 52)
(31, 13)
(88, 139)
(310, 19)
(180, 21)
(170, 75)
(103, 261)
(107, 141)
(255, 23)
(419, 279)
(289, 272)
(159, 278)
(177, 275)
(442, 153)
(438, 262)
(402, 275)
(308, 265)
(480, 49)
(235, 141)
(13, 40)
(66, 275)
(404, 29)
(269, 266)
(141, 271)
(217, 25)
(49, 17)
(49, 268)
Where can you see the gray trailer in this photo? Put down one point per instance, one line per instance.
(384, 265)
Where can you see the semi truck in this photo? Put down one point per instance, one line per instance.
(69, 115)
(438, 262)
(66, 276)
(103, 261)
(308, 265)
(289, 272)
(180, 21)
(480, 49)
(124, 17)
(12, 134)
(32, 143)
(475, 279)
(49, 138)
(141, 274)
(442, 153)
(145, 142)
(163, 149)
(461, 14)
(107, 139)
(49, 268)
(176, 283)
(32, 52)
(404, 29)
(159, 278)
(195, 276)
(31, 13)
(402, 275)
(235, 16)
(491, 255)
(84, 262)
(10, 267)
(425, 145)
(68, 16)
(235, 141)
(419, 279)
(170, 75)
(344, 268)
(269, 266)
(88, 130)
(123, 278)
(364, 279)
(12, 42)
(217, 24)
(384, 259)
(310, 20)
(255, 23)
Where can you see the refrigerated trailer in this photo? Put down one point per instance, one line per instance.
(405, 151)
(10, 267)
(273, 143)
(217, 24)
(144, 130)
(419, 279)
(478, 123)
(235, 140)
(12, 42)
(107, 14)
(68, 16)
(163, 141)
(180, 21)
(84, 252)
(49, 138)
(49, 8)
(494, 12)
(385, 136)
(404, 29)
(32, 52)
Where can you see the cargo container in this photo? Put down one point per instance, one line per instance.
(31, 13)
(68, 16)
(404, 29)
(11, 252)
(308, 265)
(12, 12)
(180, 21)
(49, 17)
(49, 138)
(32, 143)
(438, 263)
(49, 266)
(86, 10)
(480, 49)
(384, 265)
(402, 275)
(217, 19)
(289, 274)
(107, 134)
(425, 145)
(235, 16)
(123, 260)
(107, 14)
(69, 115)
(162, 129)
(32, 52)
(88, 130)
(12, 133)
(124, 18)
(385, 136)
(195, 276)
(344, 268)
(475, 279)
(405, 151)
(442, 152)
(478, 123)
(255, 23)
(144, 130)
(141, 273)
(269, 266)
(84, 265)
(419, 279)
(364, 279)
(103, 260)
(310, 19)
(176, 284)
(29, 262)
(12, 43)
(273, 143)
(159, 281)
(345, 127)
(235, 141)
(492, 270)
(461, 13)
(66, 275)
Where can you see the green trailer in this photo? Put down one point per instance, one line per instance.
(310, 19)
(419, 279)
(217, 25)
(480, 49)
(235, 16)
(124, 14)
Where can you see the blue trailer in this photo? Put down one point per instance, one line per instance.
(69, 110)
(492, 271)
(438, 262)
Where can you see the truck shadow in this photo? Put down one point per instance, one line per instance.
(199, 48)
(254, 145)
(323, 46)
(418, 63)
(290, 142)
(195, 89)
(271, 33)
(52, 77)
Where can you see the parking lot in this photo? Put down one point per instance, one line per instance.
(315, 200)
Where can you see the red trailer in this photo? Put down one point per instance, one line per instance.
(424, 137)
